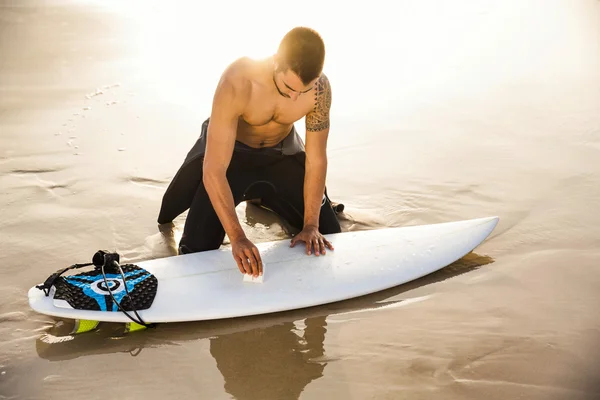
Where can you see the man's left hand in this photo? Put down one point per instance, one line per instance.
(311, 236)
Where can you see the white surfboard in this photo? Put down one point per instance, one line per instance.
(209, 285)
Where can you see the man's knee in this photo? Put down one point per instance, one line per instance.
(328, 222)
(332, 226)
(188, 245)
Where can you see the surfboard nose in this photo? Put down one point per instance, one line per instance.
(492, 219)
(488, 224)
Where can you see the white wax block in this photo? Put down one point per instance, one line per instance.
(258, 279)
(250, 278)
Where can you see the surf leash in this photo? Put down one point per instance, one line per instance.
(47, 285)
(111, 260)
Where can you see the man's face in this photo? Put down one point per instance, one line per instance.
(290, 85)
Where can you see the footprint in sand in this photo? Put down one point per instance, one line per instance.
(51, 186)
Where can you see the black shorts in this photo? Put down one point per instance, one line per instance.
(270, 174)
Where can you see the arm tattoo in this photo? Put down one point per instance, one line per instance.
(318, 118)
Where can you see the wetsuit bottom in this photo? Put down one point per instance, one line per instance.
(277, 179)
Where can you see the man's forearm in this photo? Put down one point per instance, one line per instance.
(221, 198)
(314, 189)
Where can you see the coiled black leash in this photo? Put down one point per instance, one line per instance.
(110, 261)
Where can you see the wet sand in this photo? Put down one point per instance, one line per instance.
(442, 111)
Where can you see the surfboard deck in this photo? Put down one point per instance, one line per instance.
(209, 285)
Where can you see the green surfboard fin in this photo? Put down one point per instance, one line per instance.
(133, 327)
(84, 325)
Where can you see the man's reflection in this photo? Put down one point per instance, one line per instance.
(271, 363)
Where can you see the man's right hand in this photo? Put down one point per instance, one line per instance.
(247, 257)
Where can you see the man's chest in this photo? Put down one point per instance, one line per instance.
(262, 110)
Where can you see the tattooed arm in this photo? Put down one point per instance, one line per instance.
(317, 131)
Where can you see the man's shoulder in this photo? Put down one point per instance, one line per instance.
(238, 76)
(241, 70)
(323, 82)
(323, 78)
(322, 94)
(240, 66)
(318, 118)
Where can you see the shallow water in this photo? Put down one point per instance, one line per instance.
(442, 111)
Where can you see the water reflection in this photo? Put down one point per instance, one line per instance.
(275, 362)
(262, 357)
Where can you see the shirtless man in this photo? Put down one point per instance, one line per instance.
(249, 149)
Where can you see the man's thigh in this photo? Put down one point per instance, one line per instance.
(203, 229)
(287, 178)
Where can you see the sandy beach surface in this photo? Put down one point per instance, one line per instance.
(442, 111)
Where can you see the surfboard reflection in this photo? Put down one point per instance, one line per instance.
(291, 358)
